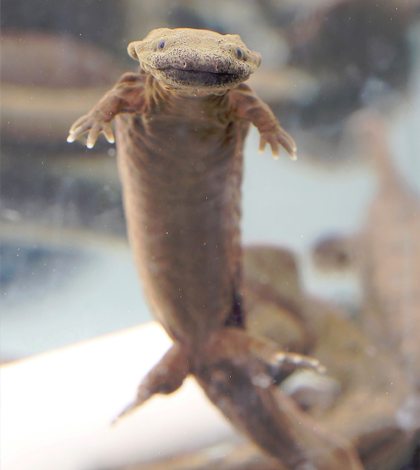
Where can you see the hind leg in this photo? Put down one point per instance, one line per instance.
(242, 345)
(236, 372)
(280, 364)
(165, 377)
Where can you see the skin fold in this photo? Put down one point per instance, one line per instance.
(181, 124)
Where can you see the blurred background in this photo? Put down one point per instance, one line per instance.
(342, 76)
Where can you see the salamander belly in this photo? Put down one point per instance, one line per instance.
(182, 207)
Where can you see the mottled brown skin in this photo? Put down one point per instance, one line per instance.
(181, 124)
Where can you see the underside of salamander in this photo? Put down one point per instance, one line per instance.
(181, 125)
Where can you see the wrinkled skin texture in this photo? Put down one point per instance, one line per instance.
(181, 124)
(176, 59)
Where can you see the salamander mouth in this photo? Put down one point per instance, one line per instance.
(192, 78)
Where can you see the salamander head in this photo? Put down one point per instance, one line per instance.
(195, 59)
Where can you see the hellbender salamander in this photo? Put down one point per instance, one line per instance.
(181, 123)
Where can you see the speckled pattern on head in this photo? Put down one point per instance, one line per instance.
(189, 58)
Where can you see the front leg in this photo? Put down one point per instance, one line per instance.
(247, 105)
(127, 96)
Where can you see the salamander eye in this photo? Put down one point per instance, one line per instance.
(239, 53)
(161, 45)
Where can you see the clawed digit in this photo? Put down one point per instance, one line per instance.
(280, 136)
(89, 124)
(293, 361)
